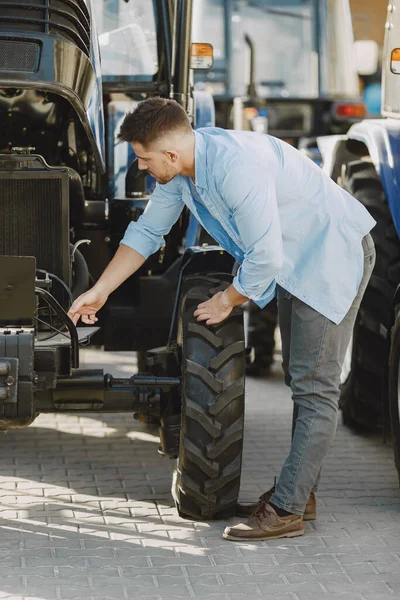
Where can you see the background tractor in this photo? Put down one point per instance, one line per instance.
(366, 163)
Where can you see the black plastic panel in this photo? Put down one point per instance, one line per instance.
(17, 292)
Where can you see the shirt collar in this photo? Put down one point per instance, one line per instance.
(200, 157)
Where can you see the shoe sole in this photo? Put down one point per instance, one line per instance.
(290, 534)
(306, 517)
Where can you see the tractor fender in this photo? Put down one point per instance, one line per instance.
(381, 137)
(331, 148)
(198, 260)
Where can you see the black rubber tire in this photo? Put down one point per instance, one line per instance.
(362, 394)
(394, 396)
(207, 477)
(261, 337)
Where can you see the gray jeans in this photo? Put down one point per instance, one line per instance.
(313, 352)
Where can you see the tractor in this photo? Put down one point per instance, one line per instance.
(366, 163)
(69, 72)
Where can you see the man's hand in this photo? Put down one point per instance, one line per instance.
(86, 306)
(215, 310)
(125, 262)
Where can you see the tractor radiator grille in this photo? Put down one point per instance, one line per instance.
(67, 19)
(19, 56)
(31, 221)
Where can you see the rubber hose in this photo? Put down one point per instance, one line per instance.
(81, 279)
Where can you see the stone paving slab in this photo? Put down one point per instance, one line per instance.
(86, 513)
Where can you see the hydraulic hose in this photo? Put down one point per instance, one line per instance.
(68, 323)
(81, 283)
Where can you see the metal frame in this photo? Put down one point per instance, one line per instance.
(180, 51)
(161, 82)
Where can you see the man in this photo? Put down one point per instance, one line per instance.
(292, 229)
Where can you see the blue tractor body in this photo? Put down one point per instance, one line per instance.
(381, 138)
(366, 162)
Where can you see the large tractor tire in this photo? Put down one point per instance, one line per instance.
(394, 389)
(261, 338)
(364, 380)
(207, 478)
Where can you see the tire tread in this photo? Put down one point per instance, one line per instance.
(362, 394)
(209, 464)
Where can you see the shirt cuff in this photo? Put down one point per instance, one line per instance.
(260, 299)
(139, 241)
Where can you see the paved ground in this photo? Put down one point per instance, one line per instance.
(86, 513)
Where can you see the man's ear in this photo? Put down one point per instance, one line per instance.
(172, 155)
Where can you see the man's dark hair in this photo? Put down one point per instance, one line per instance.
(152, 119)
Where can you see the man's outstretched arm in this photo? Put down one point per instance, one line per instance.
(142, 238)
(125, 262)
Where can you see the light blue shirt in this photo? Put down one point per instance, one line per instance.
(273, 209)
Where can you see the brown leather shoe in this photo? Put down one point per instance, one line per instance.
(246, 509)
(265, 524)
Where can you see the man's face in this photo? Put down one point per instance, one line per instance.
(159, 163)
